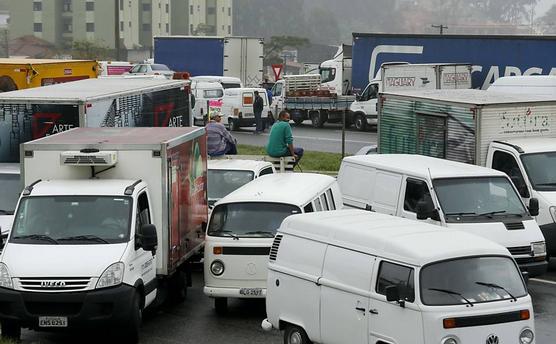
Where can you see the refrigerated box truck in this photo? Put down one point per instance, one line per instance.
(105, 228)
(512, 133)
(17, 74)
(105, 102)
(240, 57)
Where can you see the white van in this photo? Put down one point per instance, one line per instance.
(540, 85)
(225, 81)
(203, 92)
(237, 107)
(227, 175)
(357, 277)
(460, 196)
(242, 226)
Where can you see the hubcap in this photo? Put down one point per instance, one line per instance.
(295, 338)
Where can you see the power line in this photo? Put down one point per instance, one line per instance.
(441, 27)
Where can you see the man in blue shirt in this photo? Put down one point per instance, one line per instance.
(219, 140)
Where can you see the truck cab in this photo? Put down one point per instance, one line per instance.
(530, 162)
(336, 73)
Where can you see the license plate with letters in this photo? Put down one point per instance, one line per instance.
(251, 292)
(53, 322)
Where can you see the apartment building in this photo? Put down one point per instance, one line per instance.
(63, 21)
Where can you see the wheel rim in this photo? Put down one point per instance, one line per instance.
(315, 119)
(295, 338)
(358, 123)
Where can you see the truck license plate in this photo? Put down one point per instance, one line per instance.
(251, 291)
(53, 322)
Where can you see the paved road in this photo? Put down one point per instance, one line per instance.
(195, 321)
(326, 139)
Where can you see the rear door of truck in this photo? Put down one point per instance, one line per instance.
(454, 76)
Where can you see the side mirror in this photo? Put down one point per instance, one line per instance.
(534, 207)
(2, 237)
(148, 238)
(422, 212)
(393, 295)
(358, 98)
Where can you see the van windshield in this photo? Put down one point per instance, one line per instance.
(222, 182)
(10, 186)
(249, 219)
(72, 220)
(484, 199)
(540, 169)
(471, 280)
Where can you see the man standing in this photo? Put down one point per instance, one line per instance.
(219, 140)
(280, 140)
(258, 110)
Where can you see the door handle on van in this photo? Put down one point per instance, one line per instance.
(361, 309)
(373, 311)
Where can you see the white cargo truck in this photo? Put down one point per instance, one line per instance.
(106, 102)
(105, 227)
(512, 133)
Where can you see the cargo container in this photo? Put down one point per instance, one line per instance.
(105, 102)
(106, 226)
(17, 74)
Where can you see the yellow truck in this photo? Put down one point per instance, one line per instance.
(17, 74)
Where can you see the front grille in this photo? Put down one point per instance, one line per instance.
(53, 308)
(514, 226)
(520, 251)
(54, 284)
(85, 160)
(275, 246)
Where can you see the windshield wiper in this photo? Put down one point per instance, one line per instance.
(89, 237)
(451, 292)
(546, 184)
(36, 237)
(491, 213)
(496, 286)
(460, 214)
(267, 234)
(225, 233)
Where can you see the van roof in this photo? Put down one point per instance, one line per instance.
(86, 187)
(526, 80)
(422, 166)
(408, 241)
(533, 144)
(215, 78)
(237, 164)
(472, 97)
(290, 188)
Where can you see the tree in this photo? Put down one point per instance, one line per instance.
(547, 22)
(91, 50)
(277, 44)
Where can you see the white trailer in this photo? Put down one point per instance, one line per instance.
(104, 228)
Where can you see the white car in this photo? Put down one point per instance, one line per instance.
(151, 69)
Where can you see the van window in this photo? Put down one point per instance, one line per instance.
(217, 93)
(400, 276)
(330, 199)
(308, 208)
(266, 171)
(227, 85)
(506, 163)
(324, 202)
(277, 90)
(540, 167)
(318, 206)
(142, 213)
(415, 191)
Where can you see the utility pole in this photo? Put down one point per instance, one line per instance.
(117, 29)
(441, 27)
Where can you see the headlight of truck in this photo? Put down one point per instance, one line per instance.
(538, 248)
(526, 336)
(217, 268)
(5, 278)
(450, 340)
(112, 276)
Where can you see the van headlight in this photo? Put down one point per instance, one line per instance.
(217, 268)
(450, 340)
(538, 248)
(112, 276)
(526, 336)
(5, 278)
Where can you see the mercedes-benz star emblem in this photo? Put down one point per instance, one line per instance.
(492, 339)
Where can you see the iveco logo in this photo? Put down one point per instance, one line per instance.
(52, 284)
(492, 339)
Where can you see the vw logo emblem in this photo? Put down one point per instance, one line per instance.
(492, 339)
(251, 269)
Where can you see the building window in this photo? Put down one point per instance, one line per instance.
(191, 29)
(67, 6)
(229, 11)
(167, 27)
(229, 29)
(167, 8)
(89, 6)
(146, 27)
(223, 8)
(191, 10)
(37, 27)
(37, 6)
(67, 27)
(223, 27)
(146, 7)
(159, 26)
(129, 24)
(211, 10)
(121, 5)
(90, 27)
(122, 26)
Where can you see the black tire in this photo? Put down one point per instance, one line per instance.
(360, 122)
(232, 125)
(295, 335)
(298, 121)
(316, 119)
(221, 305)
(130, 332)
(11, 330)
(178, 287)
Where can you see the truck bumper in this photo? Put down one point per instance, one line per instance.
(231, 292)
(82, 309)
(372, 119)
(534, 268)
(549, 232)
